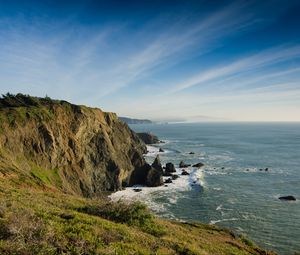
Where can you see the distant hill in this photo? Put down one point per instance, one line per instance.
(135, 121)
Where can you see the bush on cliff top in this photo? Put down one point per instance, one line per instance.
(19, 100)
(132, 214)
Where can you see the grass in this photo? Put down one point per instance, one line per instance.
(46, 221)
(17, 109)
(46, 176)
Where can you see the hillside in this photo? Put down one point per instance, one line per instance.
(74, 148)
(57, 162)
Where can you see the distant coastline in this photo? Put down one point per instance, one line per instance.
(135, 121)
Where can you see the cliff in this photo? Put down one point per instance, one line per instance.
(148, 138)
(74, 148)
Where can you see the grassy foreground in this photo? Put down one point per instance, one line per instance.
(38, 219)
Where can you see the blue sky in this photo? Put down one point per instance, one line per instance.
(163, 60)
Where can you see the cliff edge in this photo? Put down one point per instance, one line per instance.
(74, 148)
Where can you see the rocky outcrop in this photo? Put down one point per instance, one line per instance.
(157, 164)
(85, 149)
(198, 165)
(184, 172)
(150, 175)
(154, 178)
(183, 165)
(170, 168)
(148, 138)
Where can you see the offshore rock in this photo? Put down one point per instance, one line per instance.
(157, 164)
(170, 168)
(183, 165)
(288, 198)
(198, 165)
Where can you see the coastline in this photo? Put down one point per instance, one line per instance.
(195, 180)
(238, 193)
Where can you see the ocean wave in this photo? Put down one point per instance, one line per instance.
(171, 193)
(217, 189)
(213, 222)
(153, 151)
(219, 207)
(221, 158)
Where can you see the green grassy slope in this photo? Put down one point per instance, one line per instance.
(36, 218)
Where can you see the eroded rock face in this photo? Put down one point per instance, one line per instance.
(150, 175)
(91, 150)
(148, 138)
(154, 178)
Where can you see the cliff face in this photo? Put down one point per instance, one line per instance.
(75, 148)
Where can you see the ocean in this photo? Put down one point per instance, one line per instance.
(232, 190)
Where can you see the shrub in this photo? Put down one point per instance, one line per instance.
(2, 211)
(132, 214)
(4, 231)
(246, 241)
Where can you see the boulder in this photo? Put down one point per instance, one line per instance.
(169, 180)
(198, 165)
(175, 176)
(148, 138)
(183, 165)
(266, 169)
(184, 172)
(191, 153)
(157, 164)
(137, 190)
(170, 168)
(161, 150)
(288, 198)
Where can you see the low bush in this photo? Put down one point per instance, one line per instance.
(132, 214)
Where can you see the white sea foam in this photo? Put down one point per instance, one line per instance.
(220, 207)
(154, 150)
(212, 222)
(217, 189)
(171, 193)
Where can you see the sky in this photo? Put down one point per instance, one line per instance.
(161, 60)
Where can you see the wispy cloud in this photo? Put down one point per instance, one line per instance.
(95, 64)
(251, 63)
(78, 58)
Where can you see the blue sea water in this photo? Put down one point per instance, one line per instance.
(230, 190)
